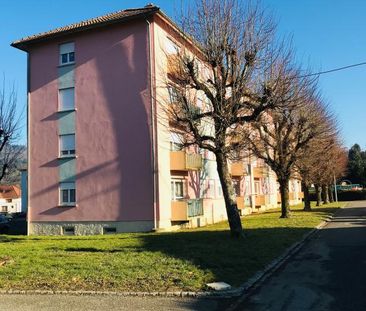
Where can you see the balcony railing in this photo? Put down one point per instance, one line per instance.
(183, 209)
(238, 169)
(260, 172)
(183, 161)
(175, 69)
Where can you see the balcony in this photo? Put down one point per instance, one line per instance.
(238, 169)
(182, 161)
(260, 172)
(240, 202)
(183, 209)
(175, 69)
(260, 199)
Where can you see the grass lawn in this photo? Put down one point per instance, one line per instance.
(184, 260)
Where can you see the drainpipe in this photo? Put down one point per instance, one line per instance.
(153, 130)
(28, 142)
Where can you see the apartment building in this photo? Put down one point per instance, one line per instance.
(101, 160)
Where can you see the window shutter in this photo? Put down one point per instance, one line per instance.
(67, 99)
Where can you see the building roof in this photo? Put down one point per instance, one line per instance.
(9, 192)
(116, 17)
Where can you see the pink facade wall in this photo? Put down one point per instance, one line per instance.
(113, 138)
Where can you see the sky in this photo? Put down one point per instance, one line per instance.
(326, 34)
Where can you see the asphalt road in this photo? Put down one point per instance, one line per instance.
(328, 273)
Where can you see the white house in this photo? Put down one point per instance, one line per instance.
(10, 199)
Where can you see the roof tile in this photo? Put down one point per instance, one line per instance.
(94, 22)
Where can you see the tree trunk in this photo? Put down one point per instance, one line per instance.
(307, 206)
(228, 192)
(325, 194)
(284, 190)
(318, 191)
(331, 196)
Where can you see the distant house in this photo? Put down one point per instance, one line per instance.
(10, 199)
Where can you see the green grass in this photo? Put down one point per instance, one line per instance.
(184, 260)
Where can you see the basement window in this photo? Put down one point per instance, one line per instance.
(109, 230)
(68, 230)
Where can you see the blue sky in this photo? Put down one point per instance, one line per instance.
(326, 34)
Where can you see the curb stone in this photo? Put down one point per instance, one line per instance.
(243, 290)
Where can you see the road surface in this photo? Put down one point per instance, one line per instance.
(328, 273)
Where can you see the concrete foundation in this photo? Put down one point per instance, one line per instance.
(88, 228)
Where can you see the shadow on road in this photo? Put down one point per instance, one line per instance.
(327, 274)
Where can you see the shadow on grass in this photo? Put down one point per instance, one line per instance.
(229, 260)
(214, 252)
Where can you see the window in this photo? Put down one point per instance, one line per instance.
(176, 142)
(66, 99)
(173, 94)
(177, 189)
(257, 186)
(236, 185)
(4, 209)
(109, 230)
(68, 230)
(219, 190)
(9, 200)
(67, 53)
(67, 145)
(171, 47)
(67, 193)
(210, 190)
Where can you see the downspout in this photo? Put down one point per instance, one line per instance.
(28, 142)
(153, 129)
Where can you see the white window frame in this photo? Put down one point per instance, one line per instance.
(68, 189)
(257, 186)
(67, 152)
(67, 50)
(210, 194)
(171, 47)
(173, 184)
(173, 94)
(69, 98)
(176, 141)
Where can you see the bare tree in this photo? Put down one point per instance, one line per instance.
(228, 71)
(9, 131)
(281, 137)
(318, 163)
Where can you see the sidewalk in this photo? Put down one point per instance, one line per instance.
(110, 303)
